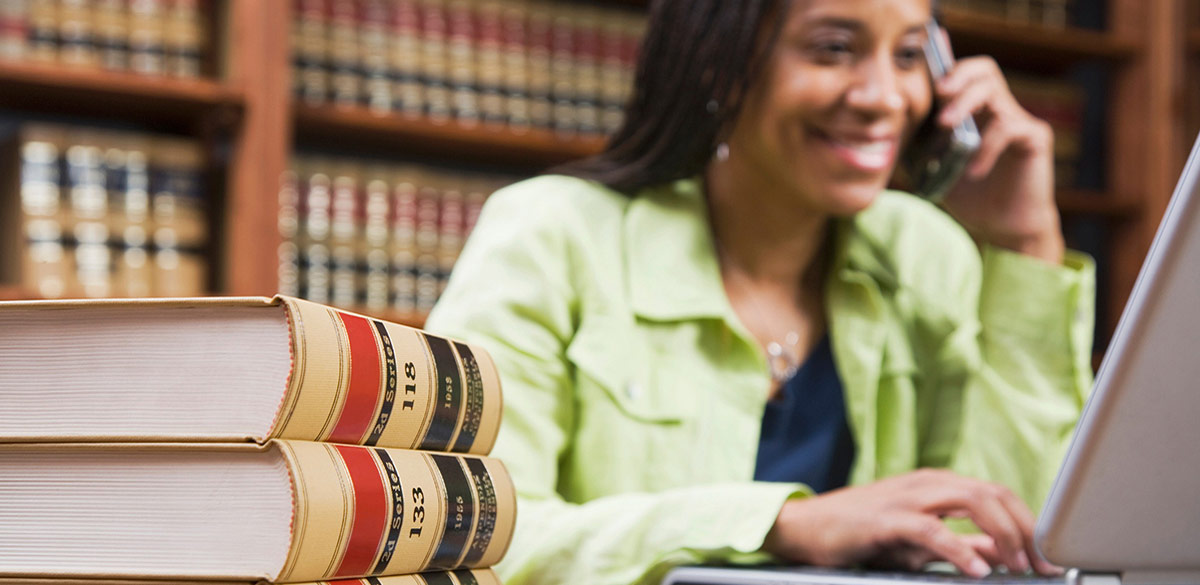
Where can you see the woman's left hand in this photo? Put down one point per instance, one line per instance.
(1006, 196)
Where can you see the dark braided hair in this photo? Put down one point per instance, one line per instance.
(697, 61)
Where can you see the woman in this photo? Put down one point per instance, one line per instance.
(717, 325)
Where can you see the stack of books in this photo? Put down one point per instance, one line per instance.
(244, 439)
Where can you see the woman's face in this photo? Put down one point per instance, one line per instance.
(842, 89)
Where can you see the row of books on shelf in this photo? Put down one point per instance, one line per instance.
(1050, 13)
(99, 213)
(149, 37)
(521, 63)
(245, 439)
(379, 236)
(1061, 103)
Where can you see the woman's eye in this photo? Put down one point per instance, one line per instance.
(909, 57)
(832, 51)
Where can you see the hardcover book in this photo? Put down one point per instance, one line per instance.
(285, 511)
(238, 369)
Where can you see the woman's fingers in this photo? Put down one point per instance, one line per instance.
(985, 546)
(1026, 521)
(985, 504)
(929, 532)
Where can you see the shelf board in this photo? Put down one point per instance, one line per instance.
(1079, 201)
(61, 89)
(12, 293)
(1193, 39)
(1031, 45)
(330, 126)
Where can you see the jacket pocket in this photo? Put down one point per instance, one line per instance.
(613, 357)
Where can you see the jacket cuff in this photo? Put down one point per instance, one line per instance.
(1049, 305)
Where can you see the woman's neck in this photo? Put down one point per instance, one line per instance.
(763, 234)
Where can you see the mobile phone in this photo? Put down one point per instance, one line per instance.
(937, 156)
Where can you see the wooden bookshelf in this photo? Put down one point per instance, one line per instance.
(1083, 202)
(253, 122)
(1032, 46)
(93, 92)
(12, 293)
(532, 148)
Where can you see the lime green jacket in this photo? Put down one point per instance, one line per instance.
(633, 396)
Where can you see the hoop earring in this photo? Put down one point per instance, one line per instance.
(722, 152)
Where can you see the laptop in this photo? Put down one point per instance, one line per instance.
(1125, 507)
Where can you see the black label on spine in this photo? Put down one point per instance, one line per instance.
(460, 513)
(397, 496)
(447, 395)
(473, 414)
(436, 578)
(389, 393)
(465, 577)
(486, 510)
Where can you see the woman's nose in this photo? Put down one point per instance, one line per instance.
(876, 87)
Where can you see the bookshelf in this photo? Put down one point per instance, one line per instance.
(493, 144)
(1032, 45)
(108, 93)
(10, 293)
(246, 110)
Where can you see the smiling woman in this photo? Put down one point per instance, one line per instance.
(723, 339)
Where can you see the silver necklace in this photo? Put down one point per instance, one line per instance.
(783, 363)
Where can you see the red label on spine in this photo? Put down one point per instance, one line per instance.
(359, 412)
(370, 511)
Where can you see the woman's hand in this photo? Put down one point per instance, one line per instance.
(897, 522)
(1006, 197)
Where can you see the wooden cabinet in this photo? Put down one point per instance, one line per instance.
(246, 112)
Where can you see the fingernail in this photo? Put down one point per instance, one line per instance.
(979, 568)
(1022, 561)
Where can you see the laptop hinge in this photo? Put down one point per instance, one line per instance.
(1077, 577)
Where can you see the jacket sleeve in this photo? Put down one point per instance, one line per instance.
(514, 292)
(1021, 354)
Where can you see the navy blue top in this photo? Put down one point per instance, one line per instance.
(805, 437)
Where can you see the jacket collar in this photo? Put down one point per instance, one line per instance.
(670, 258)
(671, 261)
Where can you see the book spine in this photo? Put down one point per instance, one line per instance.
(112, 34)
(403, 244)
(183, 38)
(128, 183)
(375, 241)
(373, 47)
(179, 219)
(358, 380)
(88, 214)
(345, 81)
(310, 48)
(146, 51)
(344, 234)
(43, 32)
(364, 511)
(458, 577)
(289, 232)
(44, 263)
(404, 56)
(14, 25)
(76, 33)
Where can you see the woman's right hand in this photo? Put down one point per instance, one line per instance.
(897, 522)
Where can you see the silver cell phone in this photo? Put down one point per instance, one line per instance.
(937, 156)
